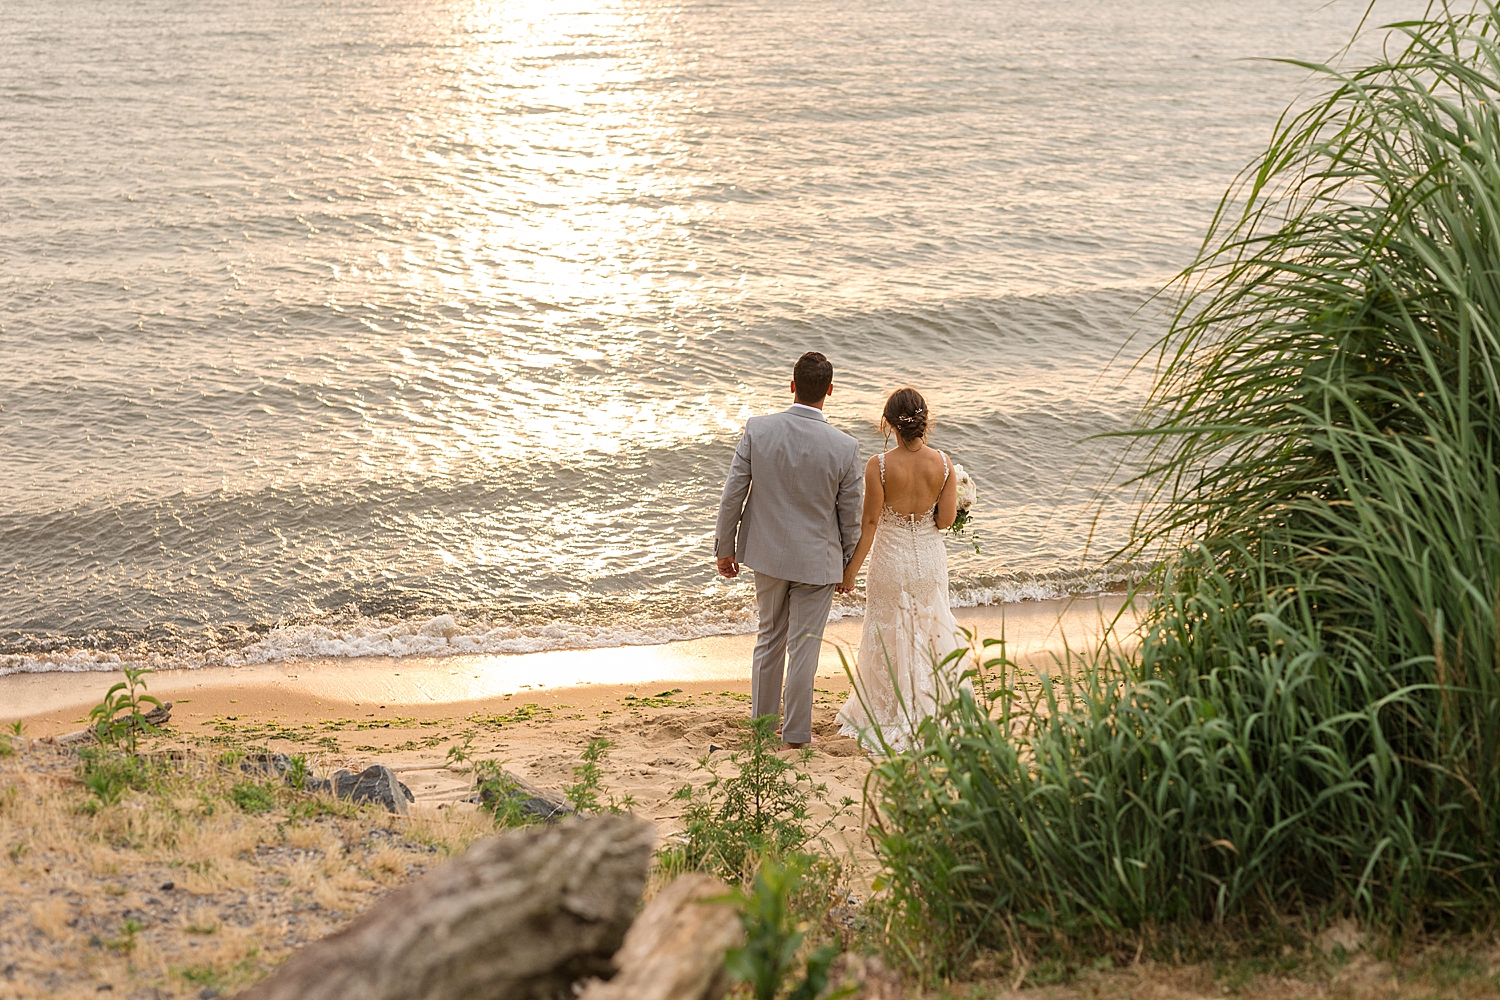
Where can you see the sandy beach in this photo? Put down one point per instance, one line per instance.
(247, 892)
(663, 708)
(1035, 632)
(204, 901)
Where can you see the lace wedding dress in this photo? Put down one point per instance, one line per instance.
(908, 630)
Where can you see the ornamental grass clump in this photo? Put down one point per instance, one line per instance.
(1311, 723)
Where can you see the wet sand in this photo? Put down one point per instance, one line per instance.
(1035, 633)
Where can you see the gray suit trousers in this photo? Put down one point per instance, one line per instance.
(792, 618)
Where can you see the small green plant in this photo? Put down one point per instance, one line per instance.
(500, 796)
(463, 751)
(773, 940)
(213, 977)
(6, 749)
(108, 774)
(297, 771)
(252, 797)
(200, 975)
(124, 942)
(584, 795)
(308, 807)
(118, 719)
(764, 809)
(17, 728)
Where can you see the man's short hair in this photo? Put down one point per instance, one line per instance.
(813, 375)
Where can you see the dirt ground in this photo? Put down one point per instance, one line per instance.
(185, 890)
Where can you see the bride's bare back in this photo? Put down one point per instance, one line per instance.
(905, 665)
(914, 480)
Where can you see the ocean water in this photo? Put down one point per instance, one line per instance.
(419, 326)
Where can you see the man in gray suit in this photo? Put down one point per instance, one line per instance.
(791, 512)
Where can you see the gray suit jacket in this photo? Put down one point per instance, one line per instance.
(792, 503)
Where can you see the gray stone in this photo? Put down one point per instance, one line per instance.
(376, 783)
(274, 765)
(534, 801)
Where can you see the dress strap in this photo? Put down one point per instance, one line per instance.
(882, 469)
(942, 487)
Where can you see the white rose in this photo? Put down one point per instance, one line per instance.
(967, 492)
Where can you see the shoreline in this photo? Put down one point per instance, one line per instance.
(51, 703)
(349, 634)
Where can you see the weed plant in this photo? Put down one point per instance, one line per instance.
(763, 808)
(584, 794)
(108, 774)
(252, 797)
(501, 796)
(118, 719)
(1311, 723)
(773, 949)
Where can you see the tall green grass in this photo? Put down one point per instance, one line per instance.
(1311, 724)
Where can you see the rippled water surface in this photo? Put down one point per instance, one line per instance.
(412, 325)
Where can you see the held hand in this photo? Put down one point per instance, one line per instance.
(846, 586)
(728, 568)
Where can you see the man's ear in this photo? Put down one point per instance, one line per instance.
(830, 390)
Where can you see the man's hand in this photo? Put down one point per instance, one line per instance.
(728, 568)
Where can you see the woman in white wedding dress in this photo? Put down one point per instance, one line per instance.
(910, 497)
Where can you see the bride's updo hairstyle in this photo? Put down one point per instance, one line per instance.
(906, 414)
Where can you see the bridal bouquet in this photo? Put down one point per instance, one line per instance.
(967, 494)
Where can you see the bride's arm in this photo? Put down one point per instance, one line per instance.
(947, 505)
(874, 502)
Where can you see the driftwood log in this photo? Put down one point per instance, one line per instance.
(521, 916)
(156, 717)
(675, 949)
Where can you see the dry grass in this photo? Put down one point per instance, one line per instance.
(1468, 970)
(83, 903)
(175, 890)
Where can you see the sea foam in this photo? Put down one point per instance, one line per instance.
(454, 634)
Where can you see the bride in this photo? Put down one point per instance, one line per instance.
(910, 496)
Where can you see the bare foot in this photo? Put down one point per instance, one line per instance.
(799, 746)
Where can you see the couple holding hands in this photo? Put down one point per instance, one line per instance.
(801, 511)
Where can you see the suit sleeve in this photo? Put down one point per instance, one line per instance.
(851, 505)
(732, 503)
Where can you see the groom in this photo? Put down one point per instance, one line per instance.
(791, 512)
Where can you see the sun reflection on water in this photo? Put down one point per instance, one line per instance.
(555, 213)
(441, 306)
